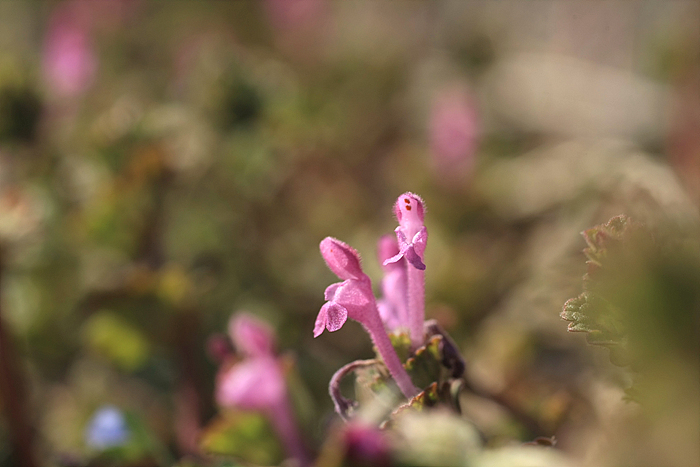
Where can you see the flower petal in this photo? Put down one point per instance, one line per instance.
(401, 244)
(387, 248)
(330, 291)
(332, 317)
(413, 258)
(419, 241)
(336, 315)
(321, 319)
(341, 258)
(356, 298)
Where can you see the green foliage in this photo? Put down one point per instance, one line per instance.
(429, 367)
(594, 311)
(425, 365)
(243, 435)
(117, 339)
(640, 298)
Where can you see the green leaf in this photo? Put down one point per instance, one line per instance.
(114, 337)
(613, 250)
(244, 435)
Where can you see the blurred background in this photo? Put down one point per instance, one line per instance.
(163, 165)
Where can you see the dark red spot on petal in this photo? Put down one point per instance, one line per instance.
(407, 201)
(408, 208)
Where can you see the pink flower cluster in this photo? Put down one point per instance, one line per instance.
(403, 305)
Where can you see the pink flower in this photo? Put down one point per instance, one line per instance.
(69, 61)
(366, 444)
(353, 298)
(454, 133)
(254, 384)
(258, 382)
(412, 237)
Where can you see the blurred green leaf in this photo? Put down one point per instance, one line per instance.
(117, 339)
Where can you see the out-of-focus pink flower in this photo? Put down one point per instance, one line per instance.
(366, 444)
(251, 336)
(254, 384)
(258, 382)
(454, 133)
(294, 14)
(69, 60)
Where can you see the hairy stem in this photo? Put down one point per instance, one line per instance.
(391, 359)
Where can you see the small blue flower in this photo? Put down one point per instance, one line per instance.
(107, 429)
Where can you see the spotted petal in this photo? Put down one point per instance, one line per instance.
(332, 317)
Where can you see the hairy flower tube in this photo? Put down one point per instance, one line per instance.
(258, 383)
(412, 237)
(353, 298)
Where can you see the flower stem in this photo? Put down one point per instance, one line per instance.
(383, 344)
(416, 304)
(286, 427)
